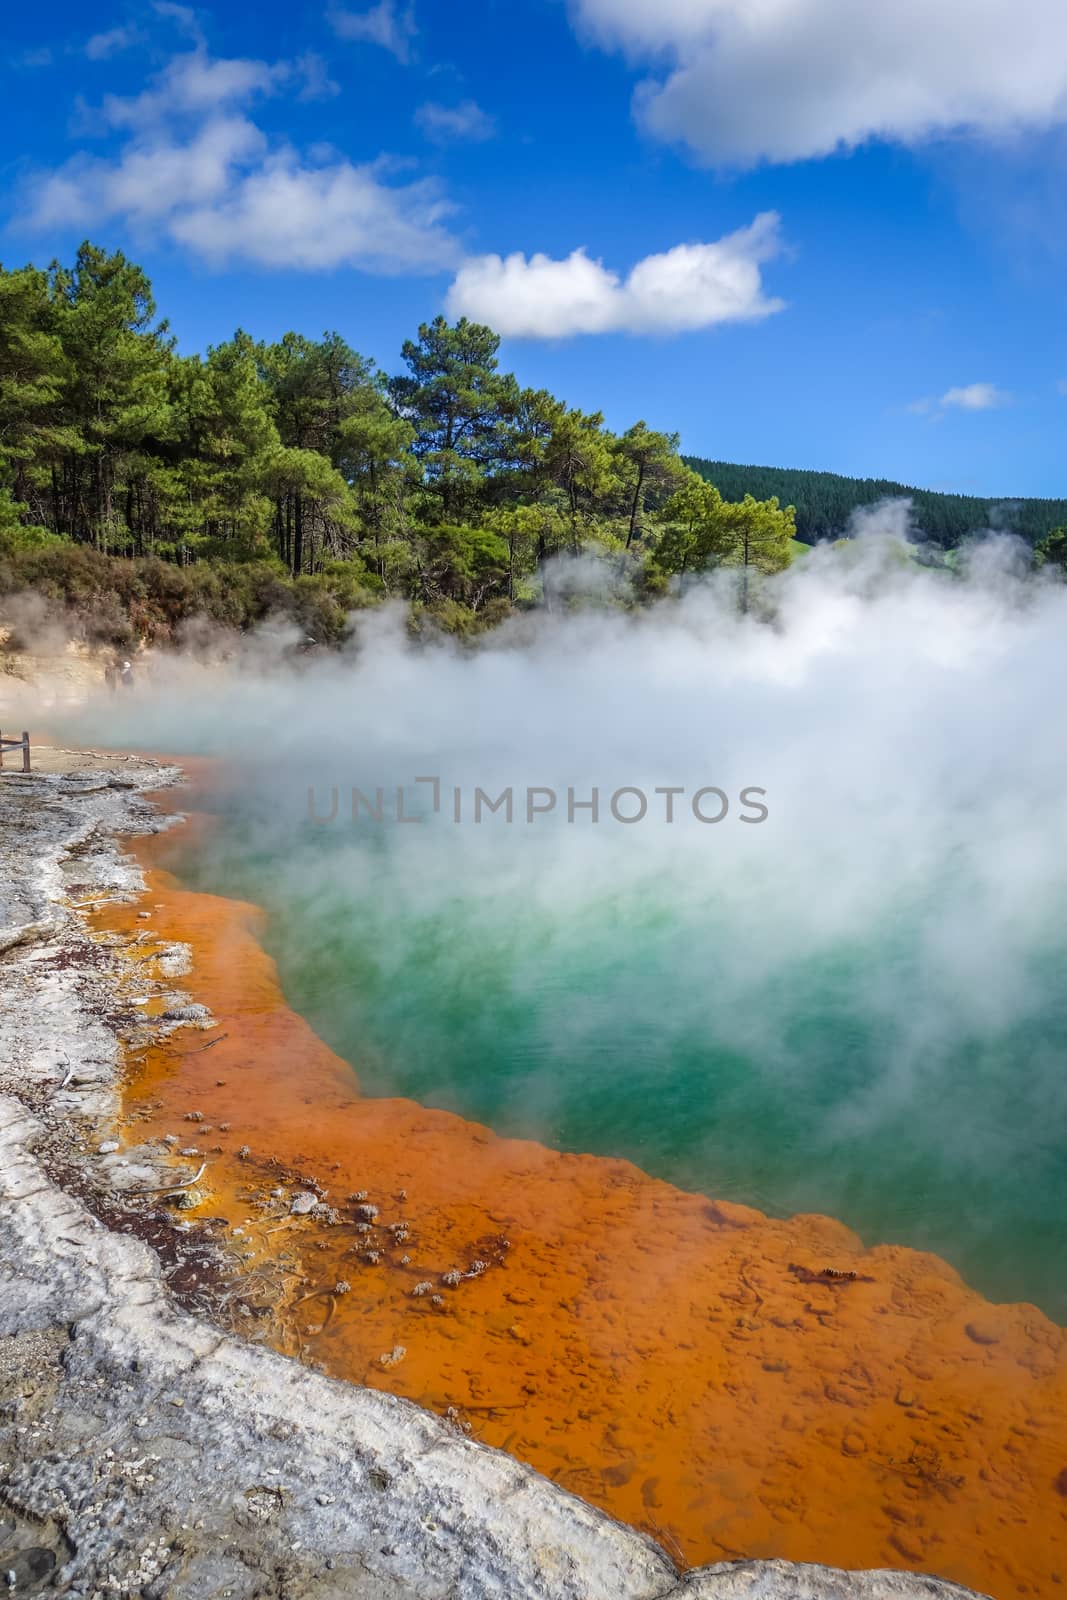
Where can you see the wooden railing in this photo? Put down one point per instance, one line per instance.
(21, 743)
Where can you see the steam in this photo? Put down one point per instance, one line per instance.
(29, 622)
(853, 1006)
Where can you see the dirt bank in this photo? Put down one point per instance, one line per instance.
(144, 1450)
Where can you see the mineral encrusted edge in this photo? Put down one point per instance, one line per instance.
(162, 1457)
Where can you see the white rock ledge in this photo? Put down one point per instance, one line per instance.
(146, 1453)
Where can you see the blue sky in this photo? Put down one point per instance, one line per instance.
(848, 223)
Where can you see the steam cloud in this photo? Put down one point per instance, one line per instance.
(853, 1007)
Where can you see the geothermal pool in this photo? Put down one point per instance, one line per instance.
(731, 1384)
(718, 1171)
(844, 1079)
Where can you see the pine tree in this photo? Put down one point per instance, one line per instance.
(115, 396)
(458, 404)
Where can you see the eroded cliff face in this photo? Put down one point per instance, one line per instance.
(731, 1385)
(146, 1451)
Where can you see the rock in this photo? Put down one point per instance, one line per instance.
(302, 1204)
(109, 1147)
(27, 1571)
(187, 1013)
(783, 1580)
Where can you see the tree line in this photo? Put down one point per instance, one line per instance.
(824, 502)
(300, 463)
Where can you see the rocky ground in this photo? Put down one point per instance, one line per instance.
(144, 1450)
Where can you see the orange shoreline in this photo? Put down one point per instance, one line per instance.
(689, 1365)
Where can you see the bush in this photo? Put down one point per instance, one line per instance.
(121, 601)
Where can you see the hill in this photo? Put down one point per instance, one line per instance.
(825, 500)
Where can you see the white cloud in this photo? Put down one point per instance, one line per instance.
(195, 84)
(104, 45)
(30, 60)
(967, 397)
(692, 286)
(446, 123)
(740, 81)
(184, 19)
(315, 72)
(975, 397)
(149, 181)
(196, 169)
(289, 213)
(387, 24)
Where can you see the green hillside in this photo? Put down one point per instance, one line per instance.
(825, 501)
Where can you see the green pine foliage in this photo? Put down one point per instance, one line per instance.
(1052, 550)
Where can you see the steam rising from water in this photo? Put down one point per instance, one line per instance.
(856, 1006)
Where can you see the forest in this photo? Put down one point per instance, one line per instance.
(824, 502)
(140, 487)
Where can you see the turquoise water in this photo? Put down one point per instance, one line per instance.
(856, 1008)
(836, 1071)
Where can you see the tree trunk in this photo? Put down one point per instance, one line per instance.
(298, 537)
(97, 519)
(635, 508)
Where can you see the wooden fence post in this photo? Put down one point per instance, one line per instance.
(22, 743)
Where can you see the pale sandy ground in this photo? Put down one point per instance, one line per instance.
(32, 684)
(142, 1450)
